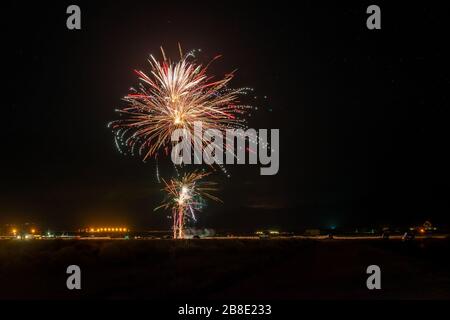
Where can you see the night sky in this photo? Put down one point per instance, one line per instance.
(363, 114)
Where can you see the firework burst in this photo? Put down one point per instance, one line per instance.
(175, 95)
(185, 197)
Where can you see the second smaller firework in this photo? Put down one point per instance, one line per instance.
(186, 196)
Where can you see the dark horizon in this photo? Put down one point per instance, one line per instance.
(362, 114)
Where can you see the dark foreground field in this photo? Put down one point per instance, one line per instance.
(234, 269)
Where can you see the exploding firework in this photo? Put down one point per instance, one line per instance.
(175, 95)
(185, 197)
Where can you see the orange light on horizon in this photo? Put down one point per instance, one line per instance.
(106, 229)
(33, 231)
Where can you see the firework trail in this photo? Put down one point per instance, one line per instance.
(175, 95)
(186, 196)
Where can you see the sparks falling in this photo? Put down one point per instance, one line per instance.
(185, 197)
(175, 95)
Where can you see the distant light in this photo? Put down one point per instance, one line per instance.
(422, 230)
(33, 231)
(115, 229)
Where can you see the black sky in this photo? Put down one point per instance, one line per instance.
(363, 115)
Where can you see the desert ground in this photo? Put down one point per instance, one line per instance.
(225, 269)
